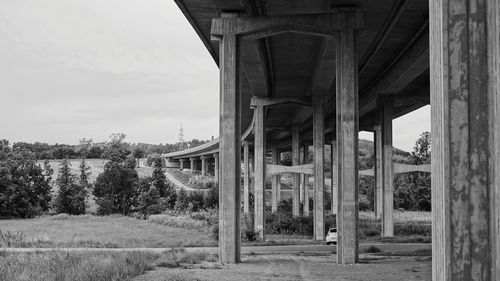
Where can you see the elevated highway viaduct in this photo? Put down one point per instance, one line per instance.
(296, 74)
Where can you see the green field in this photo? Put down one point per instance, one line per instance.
(113, 231)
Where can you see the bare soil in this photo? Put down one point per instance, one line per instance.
(302, 267)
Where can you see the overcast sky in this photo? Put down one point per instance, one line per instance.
(89, 68)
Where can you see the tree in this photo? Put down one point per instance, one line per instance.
(116, 149)
(182, 202)
(115, 188)
(70, 196)
(25, 189)
(422, 151)
(95, 152)
(159, 181)
(138, 153)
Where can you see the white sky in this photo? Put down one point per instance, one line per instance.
(89, 68)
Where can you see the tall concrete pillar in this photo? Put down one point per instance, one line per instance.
(379, 175)
(296, 177)
(181, 161)
(275, 155)
(387, 171)
(306, 207)
(193, 164)
(347, 146)
(260, 168)
(246, 176)
(319, 161)
(334, 186)
(465, 110)
(216, 167)
(301, 195)
(203, 165)
(230, 151)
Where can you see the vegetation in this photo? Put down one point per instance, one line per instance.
(25, 189)
(114, 231)
(97, 266)
(71, 195)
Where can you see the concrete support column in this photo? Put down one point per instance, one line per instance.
(181, 161)
(246, 176)
(306, 207)
(296, 177)
(334, 177)
(203, 165)
(319, 160)
(230, 151)
(387, 171)
(465, 99)
(260, 168)
(301, 186)
(216, 167)
(347, 146)
(193, 164)
(379, 177)
(276, 188)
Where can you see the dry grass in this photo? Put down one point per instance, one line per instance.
(106, 231)
(92, 266)
(62, 266)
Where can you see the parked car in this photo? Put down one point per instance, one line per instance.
(331, 236)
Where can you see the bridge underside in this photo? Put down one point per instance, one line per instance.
(301, 74)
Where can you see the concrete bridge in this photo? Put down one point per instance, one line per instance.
(298, 74)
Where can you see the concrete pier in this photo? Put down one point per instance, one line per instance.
(275, 181)
(465, 99)
(246, 178)
(306, 208)
(260, 169)
(319, 161)
(204, 165)
(387, 171)
(347, 137)
(296, 177)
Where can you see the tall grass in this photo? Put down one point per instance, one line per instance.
(62, 266)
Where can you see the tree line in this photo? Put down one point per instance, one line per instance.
(45, 151)
(26, 185)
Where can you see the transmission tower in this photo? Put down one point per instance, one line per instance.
(181, 138)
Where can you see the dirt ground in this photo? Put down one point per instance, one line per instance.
(301, 267)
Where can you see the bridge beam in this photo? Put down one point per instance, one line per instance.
(230, 150)
(465, 110)
(347, 147)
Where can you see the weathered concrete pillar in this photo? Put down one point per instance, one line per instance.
(230, 151)
(203, 165)
(334, 186)
(296, 177)
(347, 146)
(216, 167)
(387, 171)
(181, 161)
(305, 211)
(379, 176)
(465, 108)
(260, 168)
(302, 177)
(246, 176)
(193, 164)
(319, 161)
(275, 155)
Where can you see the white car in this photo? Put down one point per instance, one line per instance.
(331, 236)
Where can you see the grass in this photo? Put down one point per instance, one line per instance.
(96, 231)
(91, 266)
(48, 266)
